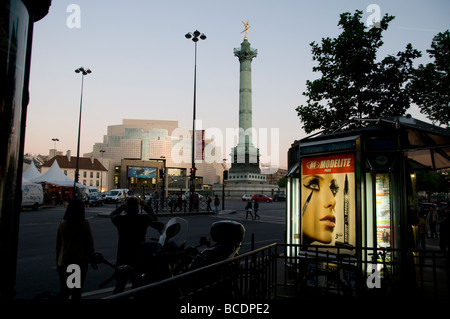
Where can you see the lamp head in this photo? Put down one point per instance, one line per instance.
(196, 33)
(188, 35)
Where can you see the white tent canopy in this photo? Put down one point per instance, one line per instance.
(31, 172)
(55, 176)
(26, 181)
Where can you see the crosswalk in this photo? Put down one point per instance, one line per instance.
(264, 218)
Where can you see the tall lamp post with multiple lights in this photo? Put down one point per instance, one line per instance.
(195, 36)
(55, 140)
(83, 72)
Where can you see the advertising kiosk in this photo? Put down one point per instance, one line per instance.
(353, 187)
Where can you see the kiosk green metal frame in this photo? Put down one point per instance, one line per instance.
(354, 185)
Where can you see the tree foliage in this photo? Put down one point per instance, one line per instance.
(282, 182)
(430, 86)
(432, 182)
(353, 83)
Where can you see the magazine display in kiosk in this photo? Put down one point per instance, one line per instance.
(383, 211)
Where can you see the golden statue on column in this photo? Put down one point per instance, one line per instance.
(246, 26)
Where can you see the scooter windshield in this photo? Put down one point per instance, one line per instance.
(175, 233)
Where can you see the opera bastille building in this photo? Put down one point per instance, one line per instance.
(145, 156)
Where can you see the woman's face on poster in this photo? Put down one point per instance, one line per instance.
(319, 218)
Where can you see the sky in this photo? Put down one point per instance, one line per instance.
(143, 66)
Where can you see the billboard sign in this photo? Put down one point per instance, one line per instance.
(328, 200)
(141, 172)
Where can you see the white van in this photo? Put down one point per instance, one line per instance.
(32, 195)
(116, 195)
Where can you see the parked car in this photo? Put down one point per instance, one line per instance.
(186, 195)
(95, 197)
(261, 198)
(116, 195)
(246, 197)
(425, 207)
(32, 195)
(279, 197)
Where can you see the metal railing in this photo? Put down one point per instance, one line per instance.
(364, 273)
(170, 206)
(282, 271)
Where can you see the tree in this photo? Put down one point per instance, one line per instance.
(430, 86)
(432, 182)
(353, 83)
(282, 182)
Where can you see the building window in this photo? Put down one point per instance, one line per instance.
(91, 183)
(65, 172)
(98, 174)
(91, 175)
(84, 182)
(84, 174)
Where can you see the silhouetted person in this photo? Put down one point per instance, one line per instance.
(208, 202)
(433, 216)
(132, 228)
(74, 245)
(216, 203)
(255, 208)
(423, 233)
(248, 209)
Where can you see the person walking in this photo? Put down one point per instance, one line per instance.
(423, 234)
(433, 221)
(217, 203)
(132, 229)
(74, 247)
(208, 203)
(248, 209)
(255, 208)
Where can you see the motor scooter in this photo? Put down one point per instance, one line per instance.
(167, 256)
(215, 282)
(158, 259)
(228, 236)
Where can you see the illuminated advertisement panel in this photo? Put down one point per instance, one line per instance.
(328, 200)
(142, 172)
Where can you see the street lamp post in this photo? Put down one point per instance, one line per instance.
(55, 140)
(195, 36)
(163, 158)
(101, 172)
(224, 178)
(83, 72)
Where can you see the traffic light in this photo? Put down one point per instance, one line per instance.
(225, 175)
(192, 171)
(191, 189)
